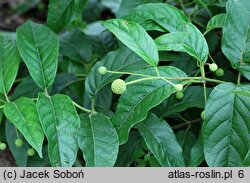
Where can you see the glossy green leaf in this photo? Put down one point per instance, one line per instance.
(139, 98)
(236, 35)
(122, 60)
(23, 114)
(76, 45)
(216, 21)
(38, 47)
(98, 140)
(226, 126)
(63, 12)
(134, 36)
(9, 63)
(161, 141)
(60, 123)
(189, 40)
(155, 11)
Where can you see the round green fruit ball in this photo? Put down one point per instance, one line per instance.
(219, 72)
(19, 142)
(3, 146)
(147, 157)
(213, 67)
(203, 115)
(179, 95)
(118, 86)
(102, 70)
(178, 87)
(31, 152)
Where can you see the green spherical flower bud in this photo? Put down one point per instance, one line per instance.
(3, 146)
(118, 86)
(31, 152)
(102, 70)
(179, 95)
(219, 72)
(19, 142)
(213, 67)
(178, 87)
(203, 115)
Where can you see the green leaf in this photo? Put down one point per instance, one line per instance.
(139, 98)
(122, 60)
(155, 11)
(246, 161)
(38, 47)
(76, 45)
(9, 63)
(189, 40)
(226, 126)
(236, 36)
(193, 97)
(98, 140)
(63, 12)
(60, 123)
(23, 114)
(197, 154)
(161, 141)
(129, 5)
(127, 151)
(19, 153)
(134, 36)
(216, 21)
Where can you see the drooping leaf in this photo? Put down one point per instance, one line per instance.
(98, 140)
(38, 47)
(123, 60)
(9, 63)
(189, 40)
(63, 12)
(76, 45)
(161, 141)
(236, 35)
(23, 114)
(139, 98)
(135, 37)
(226, 126)
(60, 123)
(216, 21)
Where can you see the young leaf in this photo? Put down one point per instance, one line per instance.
(123, 60)
(63, 12)
(226, 126)
(161, 141)
(216, 21)
(23, 114)
(197, 153)
(98, 140)
(134, 37)
(38, 47)
(9, 63)
(60, 123)
(139, 98)
(236, 35)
